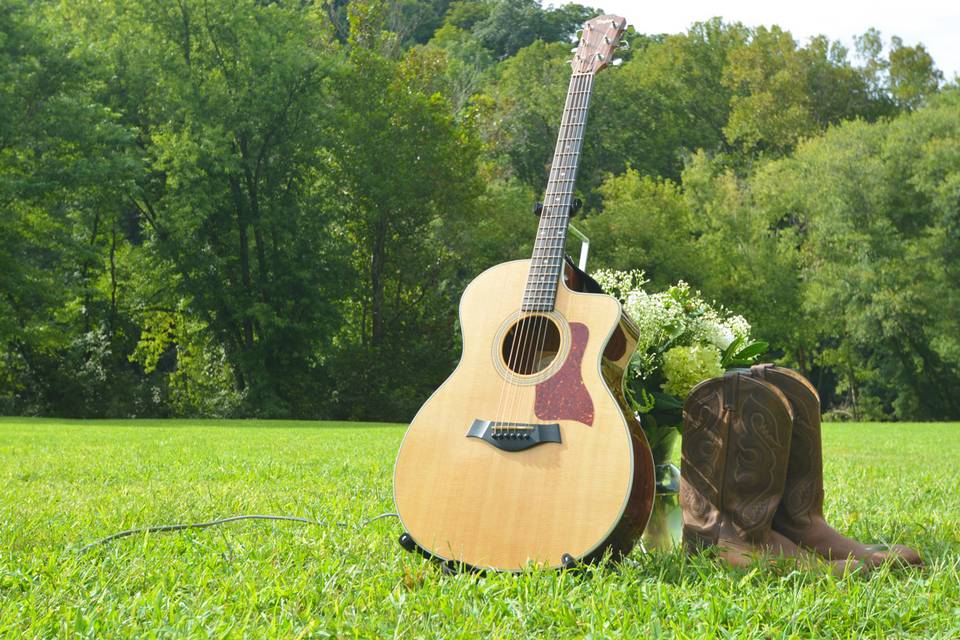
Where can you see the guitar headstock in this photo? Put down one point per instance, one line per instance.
(599, 40)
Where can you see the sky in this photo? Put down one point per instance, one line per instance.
(935, 23)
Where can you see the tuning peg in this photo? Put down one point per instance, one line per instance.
(624, 45)
(600, 57)
(574, 50)
(617, 62)
(607, 39)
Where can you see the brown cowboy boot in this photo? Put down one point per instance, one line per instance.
(800, 515)
(736, 439)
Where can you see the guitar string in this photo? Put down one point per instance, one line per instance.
(536, 322)
(515, 363)
(556, 217)
(530, 320)
(510, 389)
(549, 267)
(567, 172)
(569, 162)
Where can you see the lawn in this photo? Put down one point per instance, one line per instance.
(66, 483)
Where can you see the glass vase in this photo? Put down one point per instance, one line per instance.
(665, 528)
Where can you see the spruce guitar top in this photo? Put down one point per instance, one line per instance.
(528, 452)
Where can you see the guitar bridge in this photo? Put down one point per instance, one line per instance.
(514, 436)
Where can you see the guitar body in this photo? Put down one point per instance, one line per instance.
(520, 459)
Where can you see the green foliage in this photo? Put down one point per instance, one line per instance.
(884, 483)
(782, 93)
(504, 27)
(913, 77)
(271, 208)
(200, 379)
(64, 159)
(743, 353)
(906, 78)
(640, 213)
(406, 171)
(876, 254)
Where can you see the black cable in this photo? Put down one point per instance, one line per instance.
(213, 523)
(379, 517)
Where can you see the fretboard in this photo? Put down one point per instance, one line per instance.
(546, 266)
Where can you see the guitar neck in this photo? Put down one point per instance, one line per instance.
(546, 266)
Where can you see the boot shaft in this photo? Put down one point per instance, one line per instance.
(803, 494)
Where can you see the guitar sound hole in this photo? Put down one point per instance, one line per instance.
(531, 345)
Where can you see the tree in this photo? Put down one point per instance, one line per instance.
(223, 97)
(645, 223)
(405, 170)
(913, 76)
(770, 107)
(877, 202)
(64, 159)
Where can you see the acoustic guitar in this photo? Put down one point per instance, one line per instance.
(528, 452)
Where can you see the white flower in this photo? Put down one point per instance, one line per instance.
(715, 333)
(739, 326)
(656, 316)
(620, 283)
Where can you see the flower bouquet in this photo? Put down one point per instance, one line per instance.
(683, 340)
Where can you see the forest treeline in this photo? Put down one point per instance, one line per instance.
(256, 208)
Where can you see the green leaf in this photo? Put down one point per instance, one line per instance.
(666, 402)
(753, 350)
(728, 353)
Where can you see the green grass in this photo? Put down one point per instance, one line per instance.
(66, 483)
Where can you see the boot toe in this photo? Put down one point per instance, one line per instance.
(899, 554)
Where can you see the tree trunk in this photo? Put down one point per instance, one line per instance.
(261, 261)
(802, 361)
(113, 277)
(244, 261)
(377, 275)
(854, 401)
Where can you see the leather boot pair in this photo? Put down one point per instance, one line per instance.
(800, 514)
(752, 473)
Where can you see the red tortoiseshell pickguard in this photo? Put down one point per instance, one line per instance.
(563, 396)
